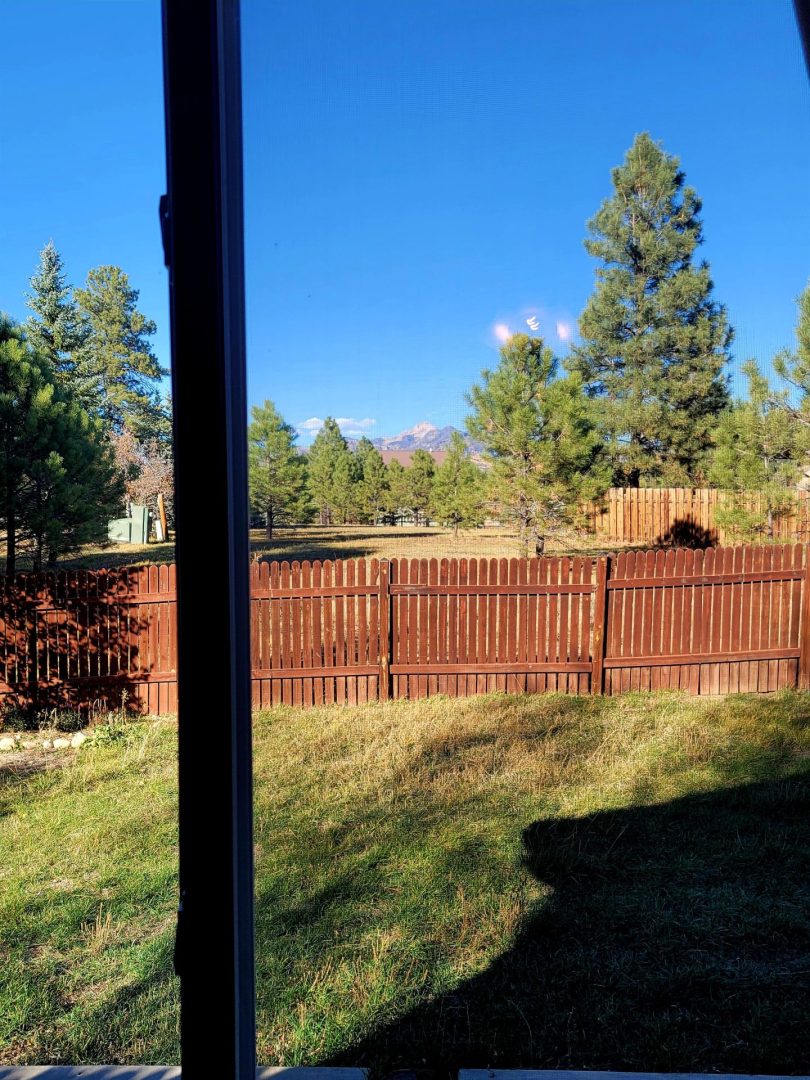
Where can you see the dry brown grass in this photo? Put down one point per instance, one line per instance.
(342, 542)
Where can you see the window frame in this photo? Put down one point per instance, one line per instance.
(201, 222)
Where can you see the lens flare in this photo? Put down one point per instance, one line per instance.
(564, 331)
(502, 332)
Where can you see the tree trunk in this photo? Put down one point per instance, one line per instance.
(523, 528)
(268, 524)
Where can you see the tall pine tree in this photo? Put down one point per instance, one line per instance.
(653, 341)
(117, 359)
(277, 471)
(56, 329)
(538, 432)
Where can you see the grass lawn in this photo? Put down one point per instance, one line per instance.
(339, 542)
(536, 881)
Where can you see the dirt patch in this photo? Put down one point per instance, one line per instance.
(17, 764)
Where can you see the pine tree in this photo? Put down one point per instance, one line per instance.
(653, 341)
(372, 484)
(397, 495)
(56, 329)
(277, 471)
(419, 484)
(763, 442)
(538, 432)
(345, 487)
(116, 360)
(459, 496)
(757, 458)
(22, 379)
(73, 487)
(58, 483)
(793, 365)
(329, 470)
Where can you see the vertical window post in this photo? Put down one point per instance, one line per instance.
(201, 218)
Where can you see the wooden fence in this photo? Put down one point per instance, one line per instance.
(79, 638)
(686, 516)
(710, 622)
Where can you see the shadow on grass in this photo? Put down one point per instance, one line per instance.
(677, 938)
(309, 552)
(349, 543)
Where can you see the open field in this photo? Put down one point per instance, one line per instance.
(549, 881)
(338, 542)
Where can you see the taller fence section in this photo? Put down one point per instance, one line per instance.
(688, 516)
(710, 622)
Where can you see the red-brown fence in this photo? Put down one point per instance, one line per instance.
(688, 516)
(710, 622)
(75, 638)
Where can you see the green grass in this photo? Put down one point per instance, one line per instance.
(558, 882)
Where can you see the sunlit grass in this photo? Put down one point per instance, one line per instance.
(340, 542)
(432, 888)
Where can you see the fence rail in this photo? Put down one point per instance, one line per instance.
(688, 516)
(710, 622)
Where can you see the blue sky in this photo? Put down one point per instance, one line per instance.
(416, 173)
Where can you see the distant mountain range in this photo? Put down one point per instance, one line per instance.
(423, 436)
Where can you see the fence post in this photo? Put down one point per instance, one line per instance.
(384, 608)
(804, 626)
(599, 615)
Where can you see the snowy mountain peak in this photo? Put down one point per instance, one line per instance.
(422, 436)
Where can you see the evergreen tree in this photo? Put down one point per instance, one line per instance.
(459, 496)
(372, 483)
(56, 329)
(116, 360)
(759, 448)
(73, 487)
(277, 471)
(793, 366)
(419, 484)
(345, 491)
(653, 341)
(397, 495)
(58, 483)
(330, 473)
(538, 431)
